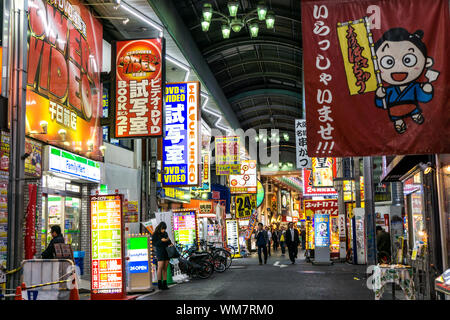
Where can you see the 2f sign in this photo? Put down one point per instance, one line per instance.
(373, 14)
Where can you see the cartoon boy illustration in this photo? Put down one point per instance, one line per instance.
(402, 58)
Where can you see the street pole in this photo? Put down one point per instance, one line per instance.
(16, 105)
(369, 209)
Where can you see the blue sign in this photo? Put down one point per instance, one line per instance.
(181, 143)
(322, 230)
(138, 266)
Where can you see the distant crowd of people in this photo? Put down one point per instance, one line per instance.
(267, 238)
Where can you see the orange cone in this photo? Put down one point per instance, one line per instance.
(74, 295)
(18, 295)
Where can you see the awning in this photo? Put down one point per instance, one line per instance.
(401, 165)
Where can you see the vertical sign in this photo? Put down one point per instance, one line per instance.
(30, 227)
(322, 230)
(181, 142)
(233, 234)
(139, 83)
(138, 254)
(106, 247)
(227, 156)
(303, 161)
(185, 227)
(323, 170)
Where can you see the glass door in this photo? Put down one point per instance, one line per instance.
(55, 214)
(72, 210)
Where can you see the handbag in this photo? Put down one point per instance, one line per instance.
(172, 252)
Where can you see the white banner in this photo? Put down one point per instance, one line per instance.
(303, 161)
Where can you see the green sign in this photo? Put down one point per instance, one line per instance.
(260, 193)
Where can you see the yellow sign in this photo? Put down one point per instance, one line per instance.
(244, 205)
(357, 56)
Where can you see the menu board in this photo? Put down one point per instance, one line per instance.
(184, 227)
(106, 246)
(232, 234)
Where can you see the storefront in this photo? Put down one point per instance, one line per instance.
(64, 176)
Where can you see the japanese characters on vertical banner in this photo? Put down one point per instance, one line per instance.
(106, 245)
(139, 82)
(64, 91)
(323, 171)
(181, 158)
(376, 81)
(227, 155)
(303, 161)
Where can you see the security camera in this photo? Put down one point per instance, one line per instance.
(426, 168)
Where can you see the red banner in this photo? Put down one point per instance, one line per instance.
(139, 84)
(322, 206)
(30, 232)
(376, 77)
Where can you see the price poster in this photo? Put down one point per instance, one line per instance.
(244, 205)
(233, 234)
(227, 156)
(185, 227)
(106, 247)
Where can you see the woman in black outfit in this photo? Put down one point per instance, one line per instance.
(161, 241)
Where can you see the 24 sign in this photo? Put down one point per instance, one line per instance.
(244, 205)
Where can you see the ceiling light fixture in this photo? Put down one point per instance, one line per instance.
(236, 21)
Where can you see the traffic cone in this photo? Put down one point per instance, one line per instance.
(18, 295)
(74, 295)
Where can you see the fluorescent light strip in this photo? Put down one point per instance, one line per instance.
(142, 17)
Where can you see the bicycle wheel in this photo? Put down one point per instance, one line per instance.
(206, 271)
(228, 257)
(219, 264)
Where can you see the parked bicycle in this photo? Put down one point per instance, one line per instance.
(226, 254)
(195, 265)
(218, 261)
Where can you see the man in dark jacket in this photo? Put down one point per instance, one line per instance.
(49, 253)
(383, 242)
(262, 238)
(292, 242)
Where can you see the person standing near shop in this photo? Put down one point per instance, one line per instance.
(57, 237)
(292, 242)
(282, 241)
(383, 244)
(303, 236)
(275, 238)
(160, 241)
(261, 241)
(269, 239)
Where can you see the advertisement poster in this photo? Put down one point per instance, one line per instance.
(5, 149)
(323, 170)
(30, 226)
(321, 230)
(377, 77)
(303, 160)
(244, 205)
(185, 227)
(251, 224)
(174, 194)
(227, 156)
(139, 85)
(181, 159)
(349, 189)
(3, 220)
(246, 182)
(33, 163)
(206, 174)
(64, 92)
(106, 247)
(310, 191)
(232, 234)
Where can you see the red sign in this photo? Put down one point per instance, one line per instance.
(139, 84)
(30, 227)
(322, 206)
(376, 77)
(311, 191)
(64, 92)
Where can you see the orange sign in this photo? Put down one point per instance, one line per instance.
(64, 93)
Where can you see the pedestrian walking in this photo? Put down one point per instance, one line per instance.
(282, 241)
(269, 238)
(275, 239)
(261, 242)
(292, 242)
(57, 237)
(303, 236)
(160, 241)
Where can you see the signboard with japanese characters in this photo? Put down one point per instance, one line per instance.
(181, 159)
(323, 170)
(227, 155)
(376, 77)
(303, 161)
(310, 191)
(185, 227)
(64, 91)
(246, 182)
(206, 178)
(244, 205)
(139, 88)
(106, 247)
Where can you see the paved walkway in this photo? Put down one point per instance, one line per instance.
(277, 280)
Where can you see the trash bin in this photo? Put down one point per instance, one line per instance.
(78, 256)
